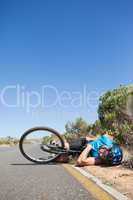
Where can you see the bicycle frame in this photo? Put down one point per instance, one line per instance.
(57, 150)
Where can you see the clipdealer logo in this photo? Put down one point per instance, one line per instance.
(48, 97)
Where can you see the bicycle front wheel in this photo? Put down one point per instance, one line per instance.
(33, 139)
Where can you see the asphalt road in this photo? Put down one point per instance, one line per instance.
(22, 180)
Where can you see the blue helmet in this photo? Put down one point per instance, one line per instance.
(113, 155)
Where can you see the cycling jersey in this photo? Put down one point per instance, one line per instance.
(103, 140)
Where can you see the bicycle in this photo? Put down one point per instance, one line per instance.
(42, 145)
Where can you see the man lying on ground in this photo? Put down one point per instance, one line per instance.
(97, 151)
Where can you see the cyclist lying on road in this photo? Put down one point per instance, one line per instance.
(98, 150)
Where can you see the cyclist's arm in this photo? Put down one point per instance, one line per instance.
(84, 160)
(84, 154)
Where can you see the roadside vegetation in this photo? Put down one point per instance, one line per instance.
(8, 141)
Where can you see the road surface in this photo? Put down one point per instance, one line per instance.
(23, 180)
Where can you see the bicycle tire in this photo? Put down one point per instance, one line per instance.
(31, 130)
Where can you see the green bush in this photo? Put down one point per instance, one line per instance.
(76, 129)
(113, 114)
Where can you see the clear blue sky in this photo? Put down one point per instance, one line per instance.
(66, 44)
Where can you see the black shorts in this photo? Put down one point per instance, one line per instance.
(78, 144)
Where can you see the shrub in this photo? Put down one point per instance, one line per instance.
(79, 128)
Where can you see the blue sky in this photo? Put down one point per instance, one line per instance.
(68, 45)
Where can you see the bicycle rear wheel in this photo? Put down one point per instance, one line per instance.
(31, 141)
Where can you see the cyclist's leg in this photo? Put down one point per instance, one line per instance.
(63, 158)
(77, 144)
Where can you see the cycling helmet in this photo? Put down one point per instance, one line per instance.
(114, 155)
